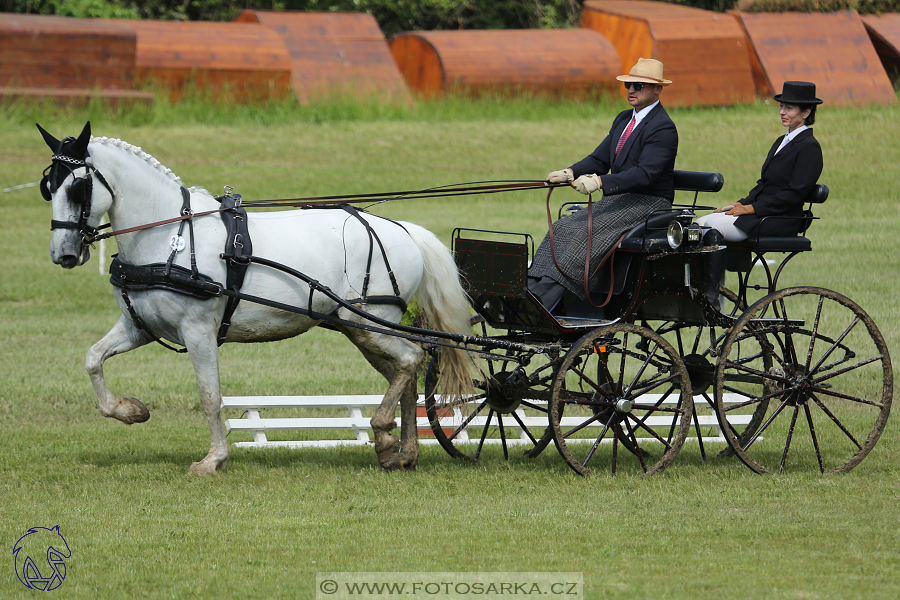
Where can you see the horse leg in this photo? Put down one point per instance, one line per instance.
(396, 359)
(204, 353)
(123, 336)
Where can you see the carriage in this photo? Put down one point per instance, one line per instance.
(801, 379)
(786, 379)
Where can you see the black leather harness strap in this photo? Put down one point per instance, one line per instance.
(185, 212)
(238, 249)
(165, 276)
(373, 237)
(238, 256)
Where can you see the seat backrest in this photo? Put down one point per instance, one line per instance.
(819, 194)
(698, 181)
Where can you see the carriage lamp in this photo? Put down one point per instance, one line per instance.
(677, 234)
(693, 233)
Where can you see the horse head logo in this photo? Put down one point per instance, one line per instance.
(40, 557)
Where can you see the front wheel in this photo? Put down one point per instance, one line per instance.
(621, 385)
(508, 409)
(818, 369)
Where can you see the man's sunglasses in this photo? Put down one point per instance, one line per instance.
(637, 85)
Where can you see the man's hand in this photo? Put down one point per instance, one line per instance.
(564, 176)
(588, 184)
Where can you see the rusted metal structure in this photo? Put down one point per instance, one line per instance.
(334, 54)
(557, 63)
(705, 53)
(39, 59)
(832, 49)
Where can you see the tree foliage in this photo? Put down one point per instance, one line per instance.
(392, 15)
(861, 6)
(404, 15)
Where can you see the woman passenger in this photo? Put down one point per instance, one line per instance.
(789, 175)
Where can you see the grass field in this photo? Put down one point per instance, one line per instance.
(140, 526)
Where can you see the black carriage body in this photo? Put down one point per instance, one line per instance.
(649, 284)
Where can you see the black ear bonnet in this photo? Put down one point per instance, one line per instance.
(69, 154)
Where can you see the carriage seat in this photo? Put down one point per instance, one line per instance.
(650, 235)
(737, 254)
(798, 243)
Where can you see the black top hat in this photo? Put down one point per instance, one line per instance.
(798, 92)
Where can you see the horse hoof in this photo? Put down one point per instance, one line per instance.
(387, 448)
(400, 461)
(130, 411)
(205, 467)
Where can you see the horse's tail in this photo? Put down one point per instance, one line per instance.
(446, 307)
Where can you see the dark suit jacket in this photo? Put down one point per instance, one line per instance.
(787, 179)
(647, 159)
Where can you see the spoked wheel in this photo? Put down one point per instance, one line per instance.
(621, 383)
(817, 368)
(509, 408)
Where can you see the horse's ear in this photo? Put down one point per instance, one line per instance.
(79, 148)
(51, 141)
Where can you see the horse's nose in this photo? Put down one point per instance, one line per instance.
(68, 261)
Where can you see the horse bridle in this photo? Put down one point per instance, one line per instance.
(80, 192)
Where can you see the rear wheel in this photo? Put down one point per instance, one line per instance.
(621, 385)
(809, 372)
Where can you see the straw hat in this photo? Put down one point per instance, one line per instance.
(647, 70)
(797, 92)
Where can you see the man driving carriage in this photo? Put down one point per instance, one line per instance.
(633, 166)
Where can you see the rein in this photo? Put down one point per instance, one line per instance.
(587, 257)
(464, 190)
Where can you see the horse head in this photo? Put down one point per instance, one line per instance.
(68, 185)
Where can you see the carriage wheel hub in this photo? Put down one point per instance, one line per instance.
(506, 391)
(623, 405)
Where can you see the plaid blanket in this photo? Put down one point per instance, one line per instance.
(612, 216)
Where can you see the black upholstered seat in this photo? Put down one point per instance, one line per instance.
(798, 243)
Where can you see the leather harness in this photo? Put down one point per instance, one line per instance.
(238, 255)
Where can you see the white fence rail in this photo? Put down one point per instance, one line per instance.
(359, 424)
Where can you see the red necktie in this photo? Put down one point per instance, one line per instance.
(624, 137)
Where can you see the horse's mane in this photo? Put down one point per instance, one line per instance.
(137, 151)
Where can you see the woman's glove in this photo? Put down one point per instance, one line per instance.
(587, 184)
(564, 176)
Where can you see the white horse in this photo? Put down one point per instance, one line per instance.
(91, 176)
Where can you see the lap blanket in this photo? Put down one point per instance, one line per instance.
(612, 217)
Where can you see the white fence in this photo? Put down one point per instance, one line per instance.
(358, 423)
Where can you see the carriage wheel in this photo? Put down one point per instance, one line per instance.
(825, 391)
(509, 408)
(621, 384)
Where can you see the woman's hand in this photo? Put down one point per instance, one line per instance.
(736, 210)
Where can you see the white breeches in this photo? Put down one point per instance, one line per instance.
(724, 224)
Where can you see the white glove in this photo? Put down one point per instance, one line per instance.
(587, 184)
(564, 176)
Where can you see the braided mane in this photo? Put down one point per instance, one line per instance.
(137, 151)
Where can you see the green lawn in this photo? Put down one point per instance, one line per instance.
(141, 526)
